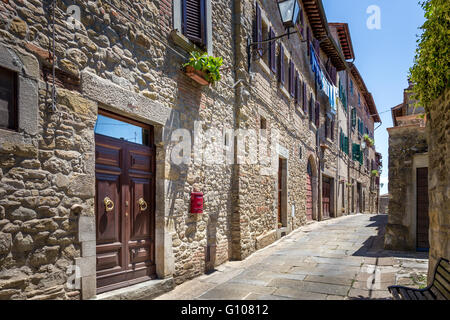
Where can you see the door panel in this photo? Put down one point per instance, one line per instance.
(125, 233)
(309, 193)
(326, 192)
(422, 208)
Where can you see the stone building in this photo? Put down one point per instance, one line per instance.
(105, 140)
(361, 186)
(408, 222)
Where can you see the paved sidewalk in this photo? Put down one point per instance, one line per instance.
(338, 259)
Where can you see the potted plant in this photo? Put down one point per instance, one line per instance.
(375, 173)
(370, 142)
(202, 68)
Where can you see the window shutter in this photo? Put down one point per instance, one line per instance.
(281, 64)
(311, 103)
(305, 98)
(302, 24)
(297, 88)
(272, 56)
(194, 21)
(308, 38)
(327, 121)
(332, 130)
(317, 117)
(291, 78)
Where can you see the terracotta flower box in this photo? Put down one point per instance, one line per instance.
(197, 75)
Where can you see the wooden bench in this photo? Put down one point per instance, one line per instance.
(438, 290)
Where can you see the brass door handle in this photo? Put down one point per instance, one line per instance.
(142, 204)
(109, 204)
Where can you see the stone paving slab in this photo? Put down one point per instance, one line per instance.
(299, 294)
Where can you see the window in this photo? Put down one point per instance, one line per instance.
(317, 117)
(311, 104)
(297, 88)
(272, 52)
(108, 125)
(291, 79)
(8, 99)
(281, 65)
(353, 117)
(263, 126)
(351, 87)
(305, 98)
(194, 21)
(359, 100)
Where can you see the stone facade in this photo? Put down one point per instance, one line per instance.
(113, 61)
(408, 150)
(405, 143)
(126, 58)
(438, 176)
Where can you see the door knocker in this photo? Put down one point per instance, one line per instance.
(142, 204)
(109, 204)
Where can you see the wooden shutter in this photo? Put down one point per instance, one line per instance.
(305, 98)
(297, 88)
(317, 117)
(327, 121)
(311, 103)
(272, 54)
(291, 78)
(332, 130)
(194, 21)
(308, 38)
(281, 74)
(302, 24)
(258, 31)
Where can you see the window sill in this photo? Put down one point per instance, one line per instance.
(264, 66)
(180, 40)
(284, 91)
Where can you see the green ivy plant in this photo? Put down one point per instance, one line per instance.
(208, 64)
(375, 173)
(431, 71)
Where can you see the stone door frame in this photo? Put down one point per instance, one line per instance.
(113, 98)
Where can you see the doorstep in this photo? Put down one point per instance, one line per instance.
(142, 291)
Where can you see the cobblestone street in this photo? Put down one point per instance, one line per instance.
(341, 258)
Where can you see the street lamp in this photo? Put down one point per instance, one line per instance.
(289, 11)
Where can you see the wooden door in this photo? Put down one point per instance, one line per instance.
(309, 193)
(326, 193)
(280, 188)
(422, 208)
(124, 211)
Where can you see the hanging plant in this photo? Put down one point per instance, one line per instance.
(203, 68)
(375, 173)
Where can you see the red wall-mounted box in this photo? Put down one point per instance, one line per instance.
(197, 202)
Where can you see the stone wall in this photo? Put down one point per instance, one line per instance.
(48, 176)
(404, 144)
(438, 120)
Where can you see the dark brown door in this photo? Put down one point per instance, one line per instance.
(309, 193)
(124, 208)
(326, 192)
(280, 188)
(422, 209)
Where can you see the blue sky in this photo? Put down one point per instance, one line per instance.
(383, 56)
